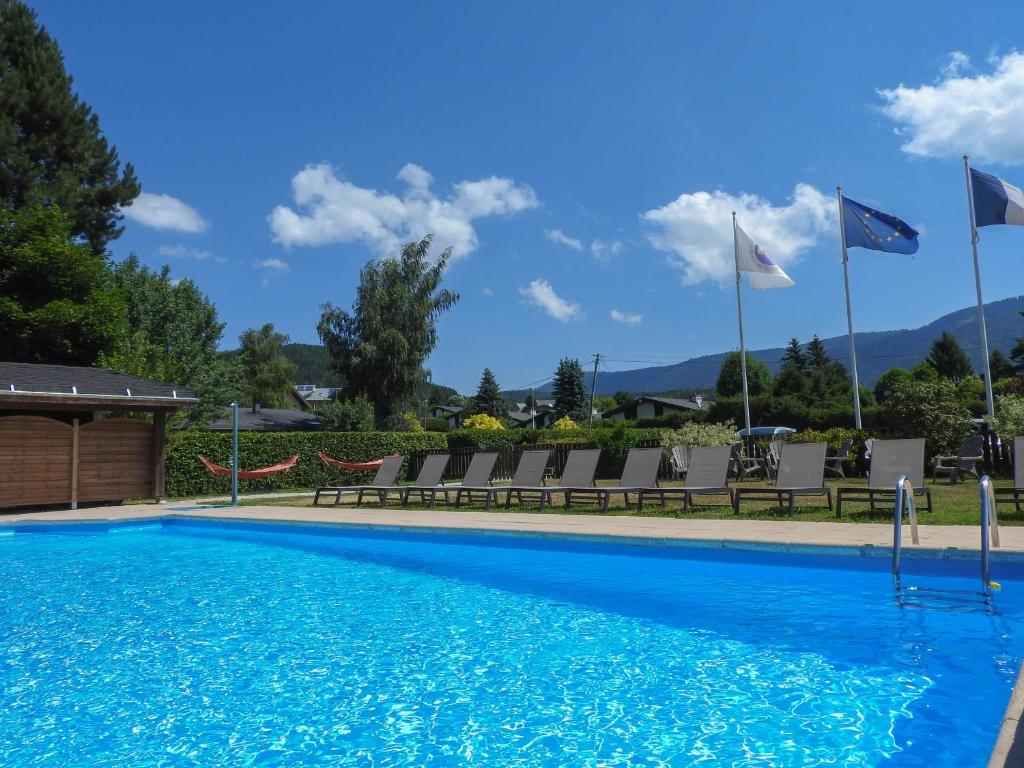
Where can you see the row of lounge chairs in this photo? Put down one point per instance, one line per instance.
(800, 472)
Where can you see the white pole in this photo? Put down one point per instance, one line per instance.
(977, 288)
(849, 312)
(739, 313)
(234, 454)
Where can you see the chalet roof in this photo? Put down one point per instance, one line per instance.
(32, 384)
(268, 420)
(671, 402)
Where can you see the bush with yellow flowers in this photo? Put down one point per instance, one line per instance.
(565, 423)
(482, 421)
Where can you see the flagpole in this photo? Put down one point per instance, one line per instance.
(849, 312)
(977, 288)
(739, 313)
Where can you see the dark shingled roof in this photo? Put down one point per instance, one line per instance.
(69, 379)
(268, 420)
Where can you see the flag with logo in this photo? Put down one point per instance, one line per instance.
(761, 271)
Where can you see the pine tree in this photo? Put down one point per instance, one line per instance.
(268, 372)
(488, 398)
(50, 141)
(999, 366)
(817, 357)
(948, 358)
(794, 355)
(569, 392)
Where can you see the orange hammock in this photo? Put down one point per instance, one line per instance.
(250, 474)
(356, 465)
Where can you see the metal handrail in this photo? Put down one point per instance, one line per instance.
(989, 530)
(904, 501)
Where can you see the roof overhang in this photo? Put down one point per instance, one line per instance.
(63, 401)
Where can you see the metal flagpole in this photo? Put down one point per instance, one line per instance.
(234, 454)
(739, 313)
(977, 287)
(849, 312)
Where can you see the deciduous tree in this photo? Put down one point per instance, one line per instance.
(268, 373)
(730, 376)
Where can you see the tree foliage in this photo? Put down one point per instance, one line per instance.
(268, 373)
(56, 305)
(488, 398)
(1000, 366)
(730, 376)
(948, 358)
(172, 335)
(1017, 353)
(50, 140)
(932, 410)
(568, 390)
(379, 349)
(355, 415)
(886, 383)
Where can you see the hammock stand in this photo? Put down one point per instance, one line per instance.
(250, 474)
(357, 466)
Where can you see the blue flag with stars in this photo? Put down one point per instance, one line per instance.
(867, 228)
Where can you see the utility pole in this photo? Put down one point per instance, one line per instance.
(593, 386)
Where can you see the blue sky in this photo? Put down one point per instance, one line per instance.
(582, 158)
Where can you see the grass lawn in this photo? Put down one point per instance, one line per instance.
(953, 505)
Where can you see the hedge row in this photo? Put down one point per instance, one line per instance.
(186, 476)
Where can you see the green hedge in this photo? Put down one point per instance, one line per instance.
(835, 438)
(186, 476)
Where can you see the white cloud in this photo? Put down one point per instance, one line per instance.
(695, 229)
(487, 291)
(541, 294)
(165, 212)
(980, 115)
(333, 210)
(184, 252)
(558, 236)
(273, 265)
(605, 250)
(626, 318)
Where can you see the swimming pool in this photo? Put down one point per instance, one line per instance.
(216, 644)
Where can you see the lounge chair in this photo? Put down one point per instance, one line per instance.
(889, 460)
(834, 464)
(678, 460)
(579, 472)
(964, 463)
(801, 473)
(383, 481)
(477, 478)
(529, 474)
(428, 481)
(640, 471)
(1016, 493)
(744, 466)
(707, 476)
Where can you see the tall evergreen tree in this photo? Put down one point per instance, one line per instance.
(488, 398)
(268, 373)
(817, 357)
(50, 141)
(794, 355)
(56, 305)
(1017, 353)
(379, 349)
(999, 366)
(569, 391)
(948, 358)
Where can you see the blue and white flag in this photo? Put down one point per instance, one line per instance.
(761, 271)
(995, 201)
(865, 227)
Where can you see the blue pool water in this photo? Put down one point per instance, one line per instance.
(214, 645)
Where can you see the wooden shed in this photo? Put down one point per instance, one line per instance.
(70, 434)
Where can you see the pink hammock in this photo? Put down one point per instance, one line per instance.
(250, 474)
(355, 465)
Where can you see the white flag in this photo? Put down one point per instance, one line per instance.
(762, 271)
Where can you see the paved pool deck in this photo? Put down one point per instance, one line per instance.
(949, 540)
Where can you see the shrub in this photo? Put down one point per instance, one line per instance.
(701, 433)
(564, 423)
(1009, 421)
(482, 421)
(929, 409)
(479, 439)
(354, 415)
(187, 477)
(437, 425)
(835, 437)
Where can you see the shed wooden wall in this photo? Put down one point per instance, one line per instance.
(40, 463)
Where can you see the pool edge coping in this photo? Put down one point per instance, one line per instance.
(1008, 751)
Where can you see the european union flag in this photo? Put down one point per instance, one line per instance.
(867, 228)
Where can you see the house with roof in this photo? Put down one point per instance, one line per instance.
(259, 419)
(453, 414)
(651, 407)
(310, 397)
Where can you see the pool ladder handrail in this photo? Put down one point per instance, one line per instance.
(989, 530)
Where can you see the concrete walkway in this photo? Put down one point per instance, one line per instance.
(781, 533)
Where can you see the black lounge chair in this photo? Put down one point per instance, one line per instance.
(801, 473)
(964, 463)
(706, 475)
(640, 471)
(890, 459)
(834, 464)
(477, 479)
(529, 474)
(382, 482)
(578, 472)
(1016, 493)
(428, 481)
